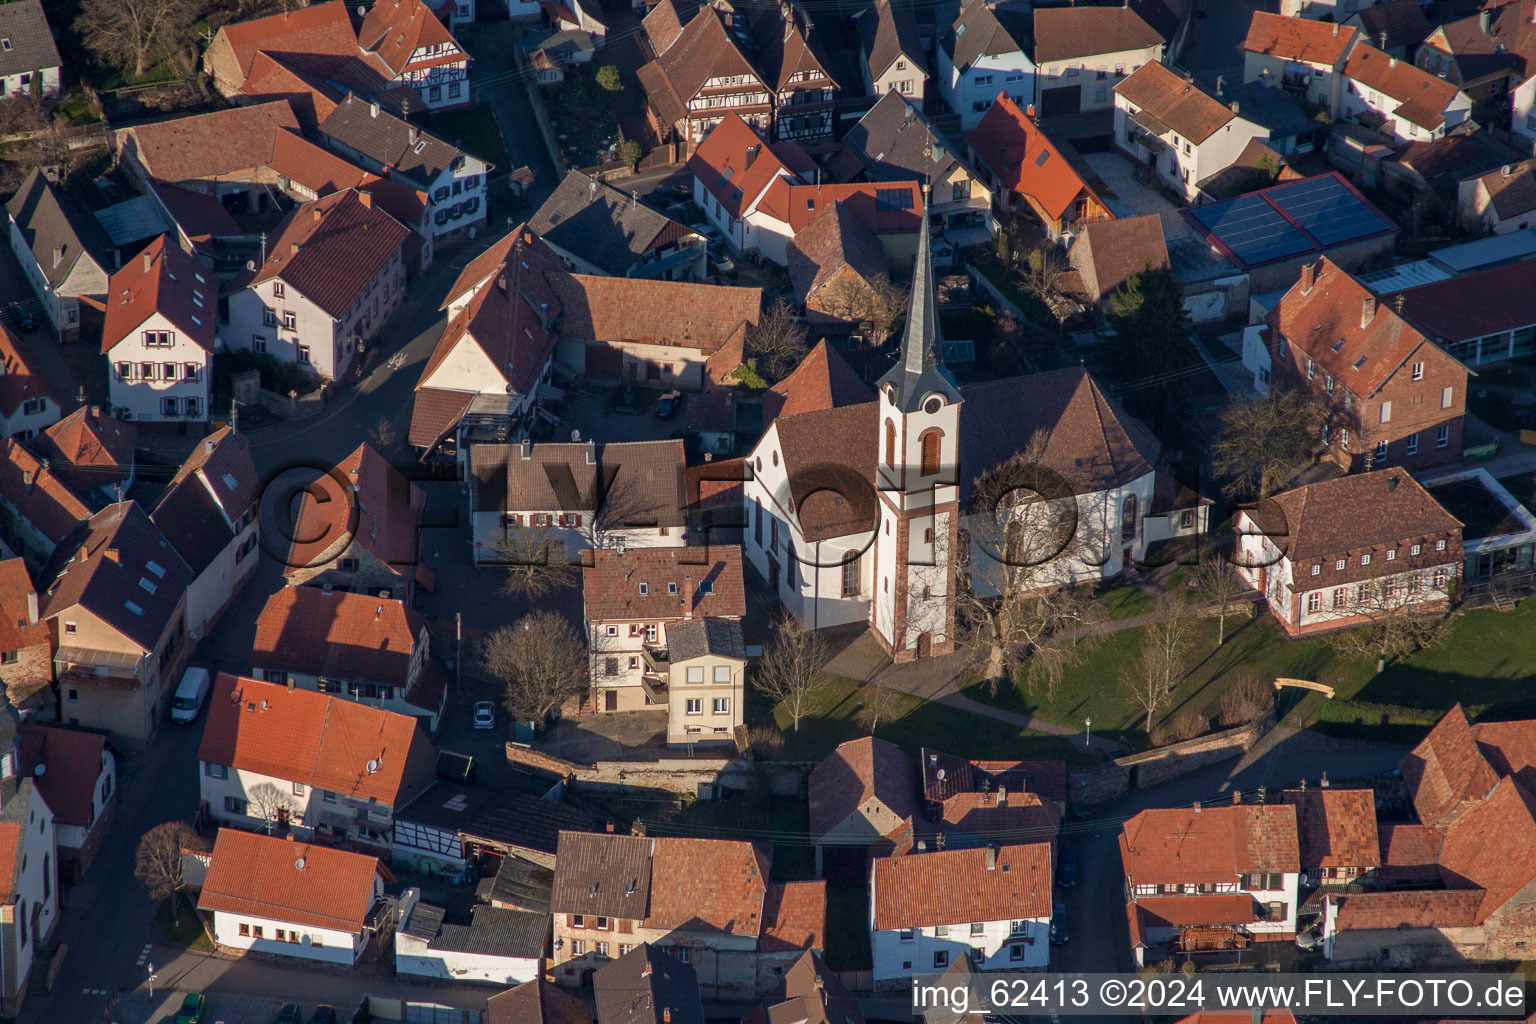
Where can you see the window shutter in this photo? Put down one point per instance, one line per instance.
(1386, 412)
(626, 927)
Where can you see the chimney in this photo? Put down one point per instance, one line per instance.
(1392, 482)
(1484, 21)
(991, 858)
(666, 1015)
(610, 826)
(208, 446)
(149, 261)
(58, 255)
(1197, 806)
(1002, 796)
(1303, 785)
(591, 452)
(1324, 782)
(1391, 62)
(527, 452)
(293, 249)
(95, 411)
(317, 214)
(1237, 796)
(1029, 111)
(752, 155)
(373, 109)
(290, 683)
(1367, 310)
(113, 556)
(645, 972)
(415, 135)
(1335, 28)
(32, 607)
(1398, 302)
(26, 477)
(366, 198)
(501, 282)
(1308, 277)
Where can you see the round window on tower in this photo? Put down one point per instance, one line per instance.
(933, 405)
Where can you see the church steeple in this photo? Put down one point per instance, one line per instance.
(921, 370)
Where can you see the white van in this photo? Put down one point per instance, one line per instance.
(190, 695)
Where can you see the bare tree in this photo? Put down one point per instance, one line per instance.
(1217, 584)
(535, 562)
(1260, 442)
(383, 435)
(134, 33)
(879, 704)
(1162, 659)
(158, 863)
(542, 661)
(1043, 271)
(777, 340)
(269, 803)
(1247, 700)
(875, 302)
(1016, 608)
(791, 670)
(1403, 612)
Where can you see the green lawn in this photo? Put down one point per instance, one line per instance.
(185, 932)
(472, 129)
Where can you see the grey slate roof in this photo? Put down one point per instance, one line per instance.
(977, 33)
(49, 220)
(895, 142)
(604, 874)
(696, 638)
(598, 223)
(1275, 109)
(522, 884)
(627, 994)
(888, 30)
(636, 482)
(26, 44)
(493, 931)
(388, 139)
(921, 371)
(425, 921)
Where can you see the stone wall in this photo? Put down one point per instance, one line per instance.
(1176, 759)
(685, 776)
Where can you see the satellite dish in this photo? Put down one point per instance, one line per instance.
(39, 769)
(940, 774)
(575, 436)
(264, 705)
(299, 863)
(250, 264)
(373, 766)
(361, 10)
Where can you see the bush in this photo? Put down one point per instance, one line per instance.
(765, 743)
(1185, 725)
(608, 78)
(1248, 701)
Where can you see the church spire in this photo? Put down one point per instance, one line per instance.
(921, 370)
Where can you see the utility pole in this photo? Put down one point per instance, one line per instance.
(458, 653)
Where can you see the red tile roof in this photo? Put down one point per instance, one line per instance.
(1108, 252)
(536, 1002)
(19, 630)
(949, 886)
(1013, 817)
(1337, 827)
(797, 204)
(1301, 39)
(199, 146)
(1177, 102)
(1470, 305)
(1492, 847)
(826, 453)
(492, 261)
(395, 29)
(611, 584)
(354, 636)
(1510, 748)
(834, 240)
(1182, 845)
(714, 885)
(1406, 846)
(90, 450)
(162, 279)
(823, 380)
(1386, 508)
(388, 509)
(1025, 160)
(1063, 33)
(856, 772)
(1390, 911)
(1422, 96)
(735, 164)
(1447, 772)
(20, 379)
(37, 494)
(12, 837)
(330, 249)
(270, 79)
(635, 310)
(322, 741)
(794, 917)
(72, 760)
(320, 29)
(300, 883)
(1180, 911)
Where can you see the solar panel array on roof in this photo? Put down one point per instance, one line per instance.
(1252, 228)
(1327, 210)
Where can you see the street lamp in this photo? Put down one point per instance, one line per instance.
(1087, 731)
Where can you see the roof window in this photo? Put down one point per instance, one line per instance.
(155, 568)
(5, 44)
(1359, 362)
(148, 586)
(133, 608)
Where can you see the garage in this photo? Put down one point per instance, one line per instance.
(1060, 101)
(604, 362)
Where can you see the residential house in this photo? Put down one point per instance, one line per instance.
(978, 56)
(372, 552)
(1351, 550)
(29, 896)
(116, 606)
(1108, 253)
(893, 141)
(208, 513)
(707, 903)
(1292, 129)
(1407, 102)
(734, 170)
(1299, 55)
(1336, 831)
(42, 509)
(794, 68)
(1083, 53)
(418, 50)
(384, 144)
(576, 16)
(809, 993)
(536, 1002)
(1025, 169)
(648, 985)
(26, 648)
(833, 261)
(1173, 125)
(335, 271)
(76, 773)
(374, 650)
(597, 229)
(1393, 395)
(27, 407)
(264, 894)
(93, 454)
(1500, 201)
(632, 600)
(860, 795)
(159, 337)
(1465, 53)
(454, 825)
(1458, 764)
(504, 947)
(991, 904)
(321, 33)
(29, 59)
(946, 777)
(312, 765)
(1514, 25)
(1477, 318)
(62, 251)
(1396, 27)
(891, 50)
(1208, 878)
(1256, 167)
(579, 495)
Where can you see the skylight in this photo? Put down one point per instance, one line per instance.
(1040, 160)
(1338, 344)
(155, 568)
(230, 481)
(148, 586)
(196, 320)
(1359, 362)
(5, 44)
(133, 608)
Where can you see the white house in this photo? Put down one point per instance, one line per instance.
(1501, 201)
(406, 37)
(308, 901)
(335, 271)
(892, 51)
(27, 407)
(78, 779)
(1256, 358)
(928, 910)
(63, 252)
(978, 58)
(1414, 105)
(29, 891)
(159, 337)
(1175, 126)
(1299, 54)
(1522, 113)
(29, 59)
(500, 946)
(1082, 53)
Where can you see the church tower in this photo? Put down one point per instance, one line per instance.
(917, 477)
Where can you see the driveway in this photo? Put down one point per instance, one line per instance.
(1132, 197)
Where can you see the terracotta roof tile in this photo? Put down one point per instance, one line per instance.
(1024, 158)
(858, 771)
(395, 29)
(641, 311)
(794, 917)
(604, 874)
(1470, 305)
(161, 279)
(1393, 23)
(389, 510)
(330, 249)
(711, 885)
(355, 636)
(1492, 847)
(271, 79)
(734, 164)
(948, 886)
(830, 456)
(1447, 771)
(1510, 748)
(320, 29)
(1064, 33)
(1514, 193)
(73, 760)
(1010, 817)
(201, 218)
(37, 494)
(20, 379)
(1299, 39)
(320, 740)
(1477, 53)
(1181, 911)
(823, 380)
(1386, 508)
(261, 876)
(1177, 102)
(434, 414)
(888, 30)
(1337, 827)
(832, 241)
(1389, 911)
(1422, 96)
(536, 1002)
(1181, 845)
(18, 629)
(611, 584)
(209, 145)
(1410, 853)
(797, 204)
(90, 450)
(1108, 252)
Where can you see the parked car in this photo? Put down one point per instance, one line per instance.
(485, 714)
(668, 404)
(672, 193)
(17, 316)
(1311, 938)
(290, 1014)
(1059, 934)
(721, 261)
(324, 1014)
(192, 1009)
(1066, 865)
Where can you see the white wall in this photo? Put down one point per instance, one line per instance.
(1256, 358)
(460, 188)
(890, 954)
(1013, 73)
(1183, 164)
(1323, 88)
(74, 836)
(305, 807)
(412, 957)
(1355, 97)
(1084, 71)
(1522, 117)
(25, 425)
(143, 398)
(12, 85)
(334, 947)
(37, 881)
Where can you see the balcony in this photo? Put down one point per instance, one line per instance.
(657, 670)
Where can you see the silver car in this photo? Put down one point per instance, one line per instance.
(485, 714)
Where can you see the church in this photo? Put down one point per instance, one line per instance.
(856, 502)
